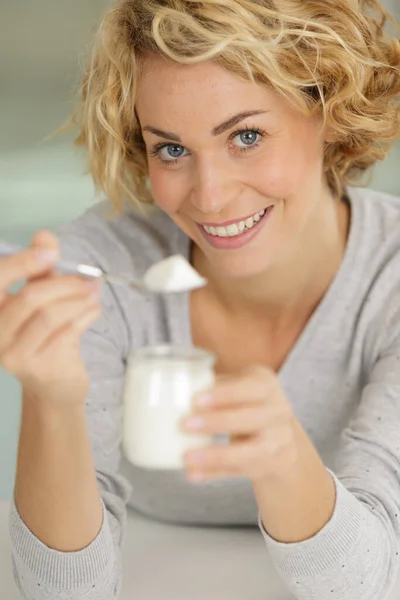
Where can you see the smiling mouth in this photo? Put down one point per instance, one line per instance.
(237, 228)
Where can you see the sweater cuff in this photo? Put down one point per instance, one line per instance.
(62, 570)
(313, 556)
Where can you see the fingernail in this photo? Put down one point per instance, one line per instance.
(203, 399)
(47, 256)
(194, 422)
(196, 458)
(196, 476)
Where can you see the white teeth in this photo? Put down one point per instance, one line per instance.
(235, 229)
(249, 223)
(221, 232)
(232, 229)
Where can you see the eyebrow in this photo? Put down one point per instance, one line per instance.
(218, 130)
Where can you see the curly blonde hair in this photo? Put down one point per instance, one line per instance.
(334, 57)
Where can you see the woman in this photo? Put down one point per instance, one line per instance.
(249, 120)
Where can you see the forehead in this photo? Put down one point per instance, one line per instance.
(163, 72)
(190, 100)
(166, 87)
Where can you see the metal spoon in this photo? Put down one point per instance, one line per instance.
(147, 284)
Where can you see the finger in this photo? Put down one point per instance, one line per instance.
(44, 240)
(19, 359)
(86, 320)
(252, 385)
(36, 296)
(238, 421)
(49, 320)
(198, 476)
(26, 264)
(4, 296)
(71, 333)
(246, 457)
(235, 458)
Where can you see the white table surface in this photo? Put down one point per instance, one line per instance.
(182, 563)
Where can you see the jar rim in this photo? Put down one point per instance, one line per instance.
(172, 353)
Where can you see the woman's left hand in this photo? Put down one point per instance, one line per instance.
(252, 409)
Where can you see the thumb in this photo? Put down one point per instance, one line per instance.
(46, 240)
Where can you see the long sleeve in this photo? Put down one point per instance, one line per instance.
(356, 555)
(93, 573)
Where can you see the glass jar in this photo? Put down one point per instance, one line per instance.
(160, 384)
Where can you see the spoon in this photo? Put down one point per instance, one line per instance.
(170, 275)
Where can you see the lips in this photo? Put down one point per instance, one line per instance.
(234, 228)
(235, 234)
(226, 223)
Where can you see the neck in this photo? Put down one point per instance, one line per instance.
(297, 284)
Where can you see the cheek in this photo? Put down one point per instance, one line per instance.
(166, 190)
(287, 170)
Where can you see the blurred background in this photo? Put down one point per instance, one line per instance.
(43, 46)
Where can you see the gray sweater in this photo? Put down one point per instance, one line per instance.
(342, 378)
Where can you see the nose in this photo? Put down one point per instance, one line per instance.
(214, 186)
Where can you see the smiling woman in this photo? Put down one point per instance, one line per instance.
(222, 166)
(242, 123)
(333, 60)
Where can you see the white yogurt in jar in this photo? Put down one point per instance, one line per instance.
(160, 386)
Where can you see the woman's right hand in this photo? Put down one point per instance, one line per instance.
(41, 325)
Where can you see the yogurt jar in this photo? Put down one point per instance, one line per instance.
(160, 384)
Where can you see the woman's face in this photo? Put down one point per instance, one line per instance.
(236, 167)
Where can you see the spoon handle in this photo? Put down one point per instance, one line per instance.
(63, 266)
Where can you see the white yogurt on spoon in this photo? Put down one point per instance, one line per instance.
(174, 274)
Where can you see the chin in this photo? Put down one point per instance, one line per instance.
(244, 265)
(248, 262)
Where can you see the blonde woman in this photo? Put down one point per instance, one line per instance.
(246, 124)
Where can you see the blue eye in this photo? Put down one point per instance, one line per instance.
(171, 152)
(247, 138)
(243, 140)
